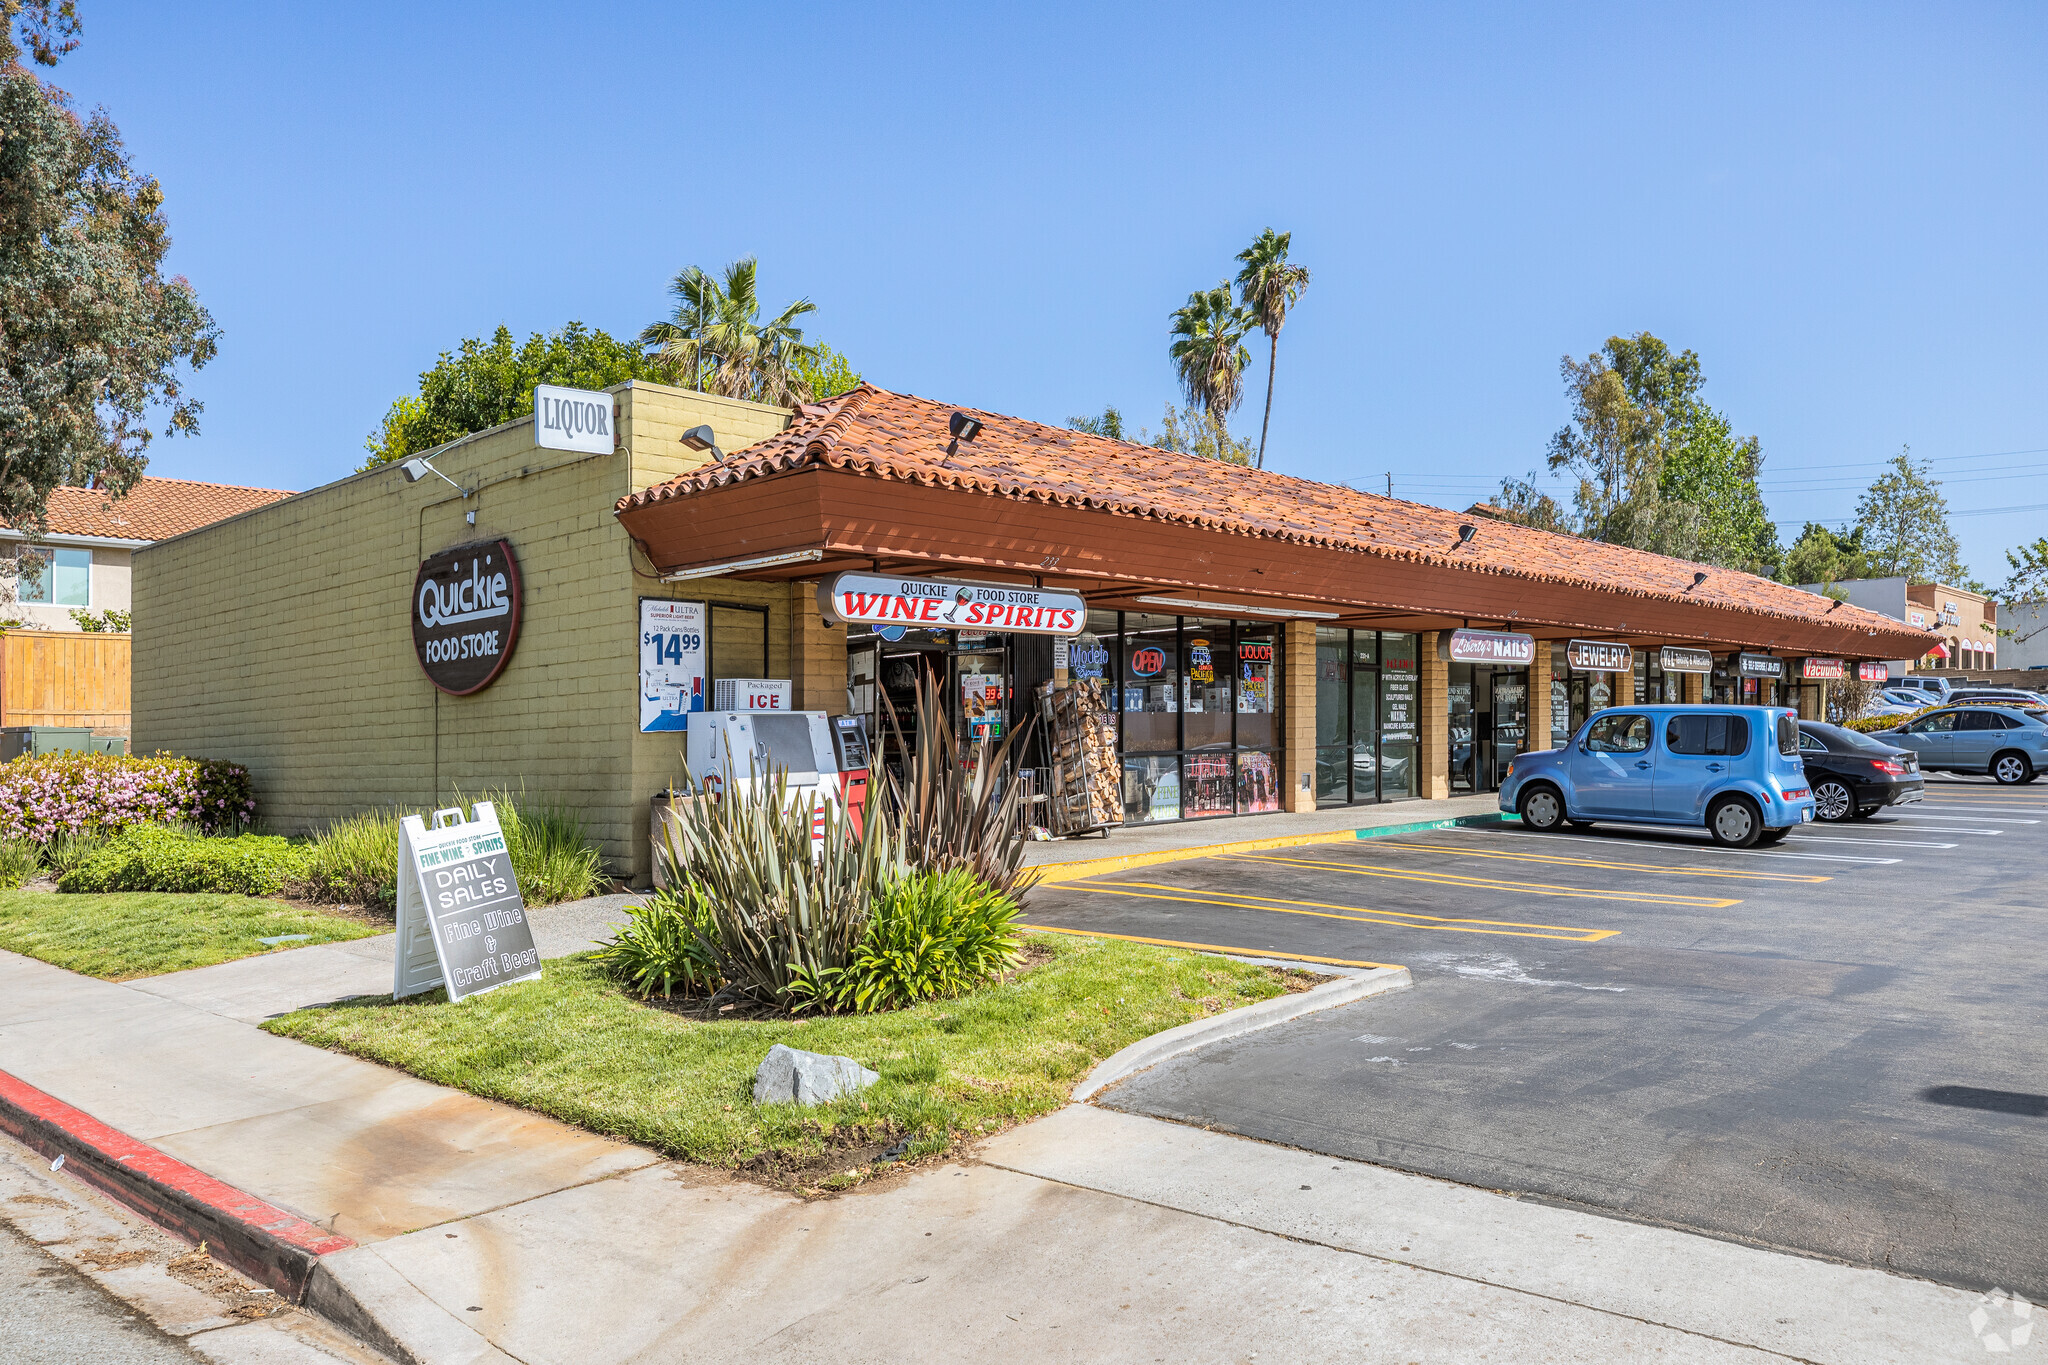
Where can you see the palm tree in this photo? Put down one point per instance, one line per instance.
(1269, 286)
(1209, 354)
(717, 325)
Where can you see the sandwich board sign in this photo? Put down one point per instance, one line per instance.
(461, 922)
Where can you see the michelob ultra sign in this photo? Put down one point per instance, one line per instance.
(950, 604)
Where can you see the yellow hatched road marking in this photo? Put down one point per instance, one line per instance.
(1490, 884)
(1202, 947)
(1358, 914)
(1561, 861)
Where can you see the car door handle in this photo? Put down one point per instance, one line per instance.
(1643, 763)
(1713, 767)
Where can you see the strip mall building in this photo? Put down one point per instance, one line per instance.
(1265, 643)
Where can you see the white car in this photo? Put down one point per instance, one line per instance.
(1894, 701)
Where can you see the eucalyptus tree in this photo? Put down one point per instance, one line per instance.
(1209, 354)
(1270, 285)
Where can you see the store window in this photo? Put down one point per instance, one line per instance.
(1365, 716)
(1398, 720)
(60, 577)
(1151, 683)
(1333, 715)
(1200, 713)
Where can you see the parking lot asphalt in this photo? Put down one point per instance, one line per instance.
(1835, 1046)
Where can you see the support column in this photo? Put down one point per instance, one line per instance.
(1433, 720)
(1625, 687)
(1693, 688)
(817, 655)
(1298, 716)
(1540, 736)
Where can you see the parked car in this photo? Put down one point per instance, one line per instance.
(1897, 701)
(2011, 696)
(1735, 770)
(1853, 776)
(2009, 742)
(1934, 689)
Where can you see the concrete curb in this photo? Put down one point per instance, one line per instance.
(362, 1294)
(1052, 874)
(1148, 1052)
(275, 1248)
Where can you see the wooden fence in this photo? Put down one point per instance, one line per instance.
(65, 677)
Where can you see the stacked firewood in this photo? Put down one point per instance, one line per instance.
(1081, 733)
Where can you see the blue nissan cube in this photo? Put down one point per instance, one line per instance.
(1733, 770)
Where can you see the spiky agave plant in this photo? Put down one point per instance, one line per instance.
(783, 915)
(956, 814)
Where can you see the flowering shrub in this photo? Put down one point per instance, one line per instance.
(75, 793)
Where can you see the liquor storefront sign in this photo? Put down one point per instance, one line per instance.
(939, 603)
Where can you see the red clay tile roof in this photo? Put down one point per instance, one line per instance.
(897, 436)
(155, 509)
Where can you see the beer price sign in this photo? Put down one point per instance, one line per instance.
(461, 921)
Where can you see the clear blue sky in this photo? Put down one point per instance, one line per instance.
(1842, 209)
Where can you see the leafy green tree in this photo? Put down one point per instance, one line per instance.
(1827, 557)
(714, 339)
(1209, 355)
(1904, 521)
(2028, 581)
(1186, 431)
(481, 384)
(828, 376)
(1110, 424)
(1269, 285)
(1523, 503)
(92, 335)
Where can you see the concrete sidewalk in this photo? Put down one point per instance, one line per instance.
(486, 1233)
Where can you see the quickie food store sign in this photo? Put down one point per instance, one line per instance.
(465, 615)
(949, 604)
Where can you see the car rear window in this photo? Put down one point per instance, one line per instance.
(1719, 735)
(1788, 735)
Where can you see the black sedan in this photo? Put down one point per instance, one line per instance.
(1854, 776)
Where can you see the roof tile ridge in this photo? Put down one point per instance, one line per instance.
(849, 405)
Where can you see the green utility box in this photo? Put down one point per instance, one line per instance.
(17, 740)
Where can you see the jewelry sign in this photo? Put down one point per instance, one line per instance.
(936, 603)
(461, 922)
(1599, 656)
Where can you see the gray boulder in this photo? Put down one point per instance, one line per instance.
(788, 1075)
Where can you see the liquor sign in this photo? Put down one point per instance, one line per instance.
(874, 599)
(1680, 659)
(1599, 656)
(573, 419)
(461, 921)
(465, 615)
(1255, 651)
(1491, 647)
(1822, 670)
(1873, 671)
(1761, 666)
(671, 663)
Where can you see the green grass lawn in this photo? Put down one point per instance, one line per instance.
(124, 935)
(575, 1046)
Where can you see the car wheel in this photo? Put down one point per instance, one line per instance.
(1542, 809)
(1734, 822)
(1833, 801)
(2012, 769)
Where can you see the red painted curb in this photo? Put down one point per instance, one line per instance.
(274, 1247)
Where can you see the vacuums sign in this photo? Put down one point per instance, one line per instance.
(465, 615)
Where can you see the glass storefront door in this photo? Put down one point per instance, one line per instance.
(1365, 716)
(1489, 723)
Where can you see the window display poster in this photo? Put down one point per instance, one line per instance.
(1397, 701)
(981, 702)
(671, 663)
(1087, 657)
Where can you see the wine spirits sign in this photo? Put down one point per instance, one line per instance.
(465, 615)
(939, 603)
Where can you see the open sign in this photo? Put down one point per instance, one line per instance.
(1147, 661)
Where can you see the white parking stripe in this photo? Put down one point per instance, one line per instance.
(1992, 806)
(1914, 814)
(1687, 846)
(1839, 839)
(1936, 829)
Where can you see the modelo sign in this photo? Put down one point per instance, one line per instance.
(465, 615)
(573, 419)
(1822, 670)
(1491, 647)
(1599, 656)
(941, 604)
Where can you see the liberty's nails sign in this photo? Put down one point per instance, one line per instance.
(465, 615)
(1491, 647)
(940, 603)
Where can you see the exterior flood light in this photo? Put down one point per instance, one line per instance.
(1698, 579)
(1465, 533)
(963, 428)
(703, 438)
(417, 468)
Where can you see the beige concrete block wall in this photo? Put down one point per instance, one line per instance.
(1540, 736)
(1624, 687)
(1298, 715)
(1433, 720)
(653, 418)
(282, 639)
(1693, 687)
(817, 652)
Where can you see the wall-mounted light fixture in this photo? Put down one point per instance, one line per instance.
(962, 428)
(1466, 531)
(1698, 579)
(703, 438)
(417, 468)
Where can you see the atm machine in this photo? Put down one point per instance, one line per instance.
(825, 757)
